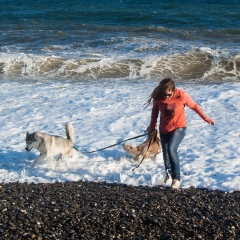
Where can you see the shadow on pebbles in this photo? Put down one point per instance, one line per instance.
(90, 210)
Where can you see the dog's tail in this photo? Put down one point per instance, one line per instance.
(69, 131)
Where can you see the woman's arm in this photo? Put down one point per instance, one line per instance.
(154, 116)
(196, 108)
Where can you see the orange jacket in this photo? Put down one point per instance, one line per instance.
(172, 114)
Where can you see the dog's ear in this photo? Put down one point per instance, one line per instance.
(35, 136)
(154, 135)
(147, 130)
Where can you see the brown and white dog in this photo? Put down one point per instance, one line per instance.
(148, 149)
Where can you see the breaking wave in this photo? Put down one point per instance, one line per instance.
(195, 64)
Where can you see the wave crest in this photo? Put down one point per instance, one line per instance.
(195, 64)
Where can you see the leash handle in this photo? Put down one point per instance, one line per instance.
(114, 144)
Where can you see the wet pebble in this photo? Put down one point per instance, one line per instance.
(88, 210)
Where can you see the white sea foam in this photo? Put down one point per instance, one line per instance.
(105, 112)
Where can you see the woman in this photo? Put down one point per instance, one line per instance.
(170, 102)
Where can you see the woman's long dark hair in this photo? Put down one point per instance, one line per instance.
(167, 84)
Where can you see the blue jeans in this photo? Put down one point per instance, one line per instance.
(170, 143)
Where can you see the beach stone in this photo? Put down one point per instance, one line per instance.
(90, 210)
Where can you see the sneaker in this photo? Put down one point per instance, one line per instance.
(175, 184)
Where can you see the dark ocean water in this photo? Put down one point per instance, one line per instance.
(127, 39)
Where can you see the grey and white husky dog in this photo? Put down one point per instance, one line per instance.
(50, 145)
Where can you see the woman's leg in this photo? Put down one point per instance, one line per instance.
(173, 143)
(164, 143)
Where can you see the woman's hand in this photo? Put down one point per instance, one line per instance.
(210, 121)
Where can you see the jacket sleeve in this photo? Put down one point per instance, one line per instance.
(154, 116)
(195, 107)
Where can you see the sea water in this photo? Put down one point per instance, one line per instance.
(120, 39)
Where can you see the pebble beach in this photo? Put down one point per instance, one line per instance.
(90, 210)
